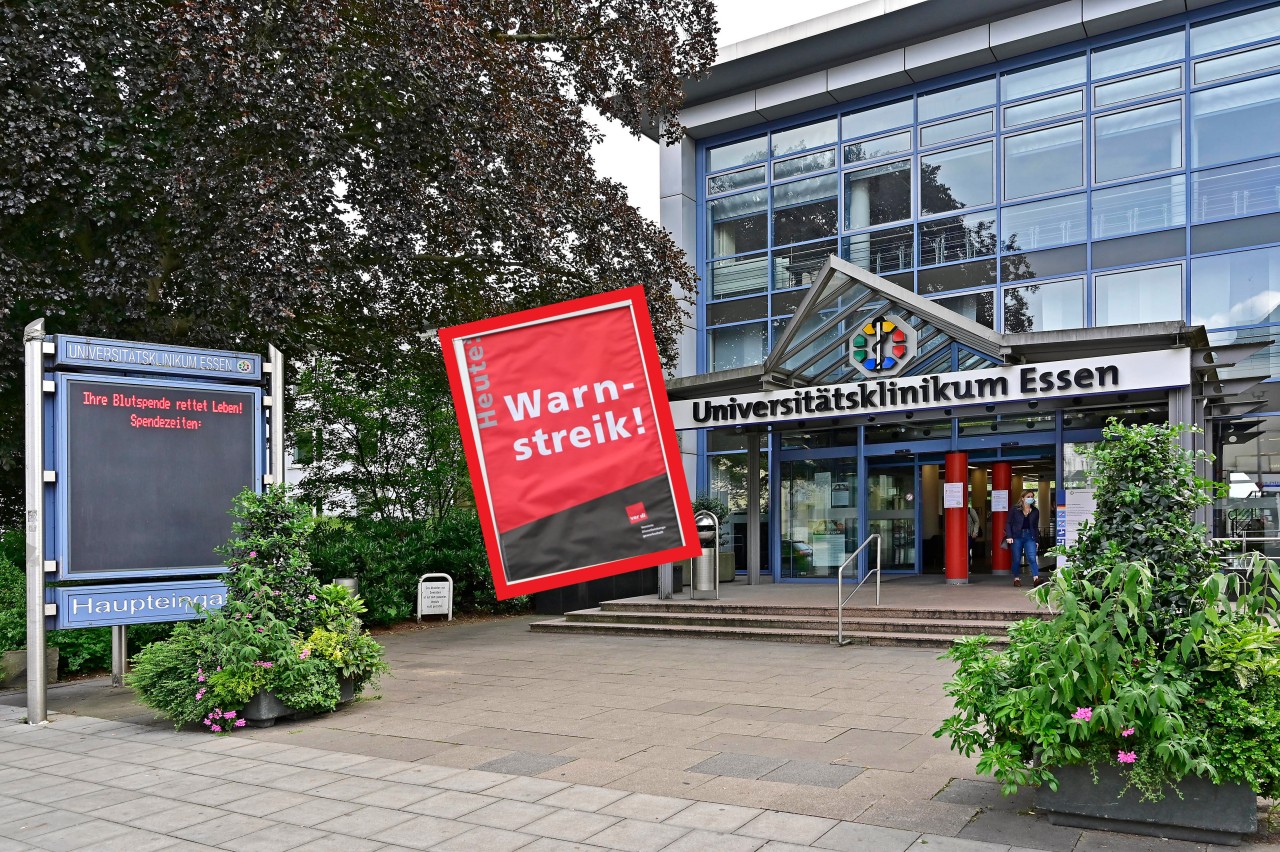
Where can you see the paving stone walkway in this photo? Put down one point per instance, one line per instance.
(491, 738)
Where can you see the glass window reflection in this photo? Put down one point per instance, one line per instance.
(1259, 25)
(1057, 74)
(739, 276)
(1239, 121)
(961, 98)
(1043, 224)
(1140, 53)
(1045, 108)
(877, 195)
(1153, 294)
(739, 223)
(738, 153)
(874, 119)
(882, 252)
(1147, 206)
(976, 307)
(1137, 141)
(1044, 161)
(737, 346)
(1049, 306)
(799, 266)
(957, 238)
(1245, 189)
(881, 146)
(1241, 288)
(808, 136)
(958, 178)
(1235, 64)
(730, 181)
(1137, 87)
(970, 125)
(796, 166)
(804, 210)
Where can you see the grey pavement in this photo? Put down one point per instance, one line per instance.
(489, 737)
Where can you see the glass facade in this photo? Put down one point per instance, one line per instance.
(1110, 182)
(1133, 177)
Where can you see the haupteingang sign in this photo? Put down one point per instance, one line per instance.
(567, 429)
(1107, 374)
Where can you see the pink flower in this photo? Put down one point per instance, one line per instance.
(200, 679)
(217, 729)
(200, 693)
(265, 665)
(1127, 756)
(239, 723)
(311, 597)
(1084, 714)
(306, 652)
(230, 714)
(253, 554)
(1127, 732)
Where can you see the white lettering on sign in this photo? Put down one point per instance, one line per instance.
(1012, 383)
(150, 357)
(141, 605)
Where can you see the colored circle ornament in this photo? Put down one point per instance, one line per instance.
(882, 346)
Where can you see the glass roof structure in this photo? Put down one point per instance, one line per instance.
(814, 347)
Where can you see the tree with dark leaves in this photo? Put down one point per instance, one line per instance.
(329, 175)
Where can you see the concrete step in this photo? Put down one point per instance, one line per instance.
(810, 637)
(955, 627)
(720, 607)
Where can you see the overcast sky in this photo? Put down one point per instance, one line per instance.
(634, 162)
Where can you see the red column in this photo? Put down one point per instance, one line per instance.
(957, 520)
(1001, 480)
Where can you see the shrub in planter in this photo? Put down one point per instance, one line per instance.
(1156, 667)
(280, 633)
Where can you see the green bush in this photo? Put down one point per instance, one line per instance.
(279, 630)
(388, 557)
(1156, 662)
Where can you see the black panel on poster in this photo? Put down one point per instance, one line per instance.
(146, 497)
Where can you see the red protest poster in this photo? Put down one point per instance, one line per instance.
(570, 444)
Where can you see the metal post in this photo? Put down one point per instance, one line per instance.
(119, 654)
(277, 415)
(753, 508)
(33, 342)
(666, 581)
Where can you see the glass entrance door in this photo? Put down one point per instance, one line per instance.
(891, 512)
(819, 516)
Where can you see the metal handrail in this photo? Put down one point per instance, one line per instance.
(840, 640)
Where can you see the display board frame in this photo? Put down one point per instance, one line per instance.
(58, 539)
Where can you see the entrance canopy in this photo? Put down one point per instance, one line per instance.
(816, 345)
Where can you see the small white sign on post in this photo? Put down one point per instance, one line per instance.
(435, 595)
(953, 495)
(999, 501)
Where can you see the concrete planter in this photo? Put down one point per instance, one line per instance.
(15, 668)
(265, 709)
(1204, 813)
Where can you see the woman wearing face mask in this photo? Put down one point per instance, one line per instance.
(1020, 535)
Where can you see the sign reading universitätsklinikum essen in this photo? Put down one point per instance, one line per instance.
(1108, 374)
(568, 433)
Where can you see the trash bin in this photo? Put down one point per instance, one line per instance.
(706, 566)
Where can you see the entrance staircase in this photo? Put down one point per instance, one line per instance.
(903, 626)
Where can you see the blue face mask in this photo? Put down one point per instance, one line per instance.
(1030, 501)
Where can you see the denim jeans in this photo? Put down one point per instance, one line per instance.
(1025, 544)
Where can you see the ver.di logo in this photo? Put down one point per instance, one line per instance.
(244, 366)
(882, 346)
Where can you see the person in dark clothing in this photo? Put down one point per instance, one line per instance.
(1021, 534)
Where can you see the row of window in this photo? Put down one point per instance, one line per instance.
(1235, 289)
(1110, 61)
(1029, 236)
(1049, 160)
